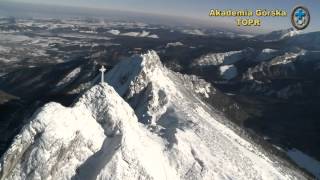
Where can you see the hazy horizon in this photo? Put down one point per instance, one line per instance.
(197, 16)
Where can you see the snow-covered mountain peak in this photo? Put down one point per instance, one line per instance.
(144, 82)
(53, 144)
(104, 102)
(129, 150)
(101, 137)
(135, 73)
(98, 138)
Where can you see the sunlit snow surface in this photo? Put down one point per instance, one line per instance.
(147, 125)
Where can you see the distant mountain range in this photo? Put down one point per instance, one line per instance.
(203, 101)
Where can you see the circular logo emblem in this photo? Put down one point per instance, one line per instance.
(300, 17)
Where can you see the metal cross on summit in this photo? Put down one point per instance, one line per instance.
(102, 70)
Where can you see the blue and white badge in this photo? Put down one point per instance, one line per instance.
(300, 17)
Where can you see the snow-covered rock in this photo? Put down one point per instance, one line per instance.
(53, 144)
(198, 144)
(219, 58)
(114, 32)
(129, 151)
(142, 80)
(278, 35)
(101, 137)
(280, 66)
(140, 34)
(174, 44)
(228, 72)
(225, 58)
(267, 54)
(153, 36)
(69, 77)
(197, 32)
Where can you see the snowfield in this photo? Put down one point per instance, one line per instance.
(145, 122)
(215, 59)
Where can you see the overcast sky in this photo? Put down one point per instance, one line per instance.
(200, 8)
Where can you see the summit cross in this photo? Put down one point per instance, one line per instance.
(102, 70)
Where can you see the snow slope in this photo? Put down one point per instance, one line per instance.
(69, 77)
(199, 145)
(149, 125)
(267, 54)
(219, 58)
(228, 72)
(53, 144)
(223, 58)
(278, 35)
(99, 130)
